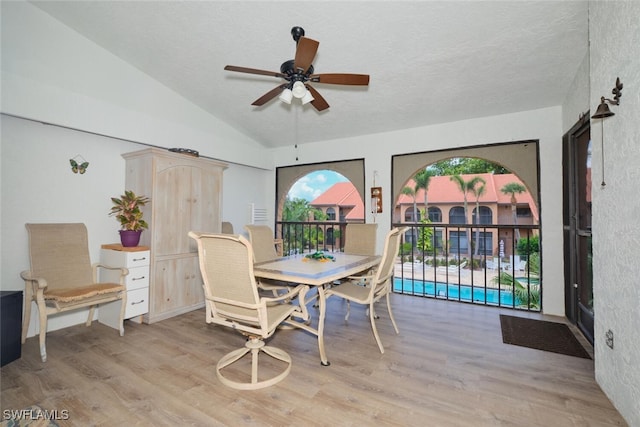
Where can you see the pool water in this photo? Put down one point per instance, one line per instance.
(453, 291)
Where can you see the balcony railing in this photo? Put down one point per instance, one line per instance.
(477, 264)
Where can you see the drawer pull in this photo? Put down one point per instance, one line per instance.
(140, 259)
(138, 278)
(139, 302)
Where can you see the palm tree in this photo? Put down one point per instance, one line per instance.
(408, 191)
(513, 188)
(525, 296)
(423, 178)
(299, 210)
(465, 187)
(478, 192)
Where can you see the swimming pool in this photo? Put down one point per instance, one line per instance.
(454, 292)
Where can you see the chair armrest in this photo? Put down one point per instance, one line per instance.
(362, 276)
(28, 276)
(301, 309)
(123, 271)
(289, 295)
(279, 244)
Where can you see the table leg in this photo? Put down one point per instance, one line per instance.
(322, 302)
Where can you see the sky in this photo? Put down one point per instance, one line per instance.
(312, 185)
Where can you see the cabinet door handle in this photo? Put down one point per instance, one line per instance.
(138, 278)
(139, 302)
(140, 259)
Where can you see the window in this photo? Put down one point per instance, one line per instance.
(330, 240)
(331, 214)
(437, 241)
(486, 216)
(524, 211)
(435, 215)
(484, 242)
(458, 242)
(408, 215)
(456, 215)
(287, 176)
(519, 157)
(409, 237)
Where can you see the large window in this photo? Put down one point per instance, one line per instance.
(484, 242)
(435, 214)
(456, 215)
(287, 176)
(458, 242)
(408, 215)
(523, 212)
(521, 158)
(331, 214)
(486, 216)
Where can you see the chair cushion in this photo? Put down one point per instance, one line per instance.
(77, 294)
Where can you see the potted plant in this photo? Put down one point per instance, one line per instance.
(126, 209)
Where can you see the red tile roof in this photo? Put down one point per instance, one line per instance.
(443, 190)
(342, 194)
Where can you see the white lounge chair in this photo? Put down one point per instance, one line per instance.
(453, 269)
(492, 264)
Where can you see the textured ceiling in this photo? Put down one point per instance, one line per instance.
(429, 62)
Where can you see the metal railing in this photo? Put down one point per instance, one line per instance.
(476, 264)
(302, 237)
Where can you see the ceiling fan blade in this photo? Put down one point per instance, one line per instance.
(341, 79)
(305, 52)
(269, 95)
(253, 71)
(318, 102)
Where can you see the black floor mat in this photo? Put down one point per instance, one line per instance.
(541, 335)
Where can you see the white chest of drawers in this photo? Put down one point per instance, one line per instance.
(136, 260)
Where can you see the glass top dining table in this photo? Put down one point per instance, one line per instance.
(298, 269)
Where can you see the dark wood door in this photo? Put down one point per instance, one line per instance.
(577, 227)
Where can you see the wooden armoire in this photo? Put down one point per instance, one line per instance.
(186, 194)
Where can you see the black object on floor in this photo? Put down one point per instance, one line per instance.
(541, 335)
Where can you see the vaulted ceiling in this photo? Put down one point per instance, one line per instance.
(429, 61)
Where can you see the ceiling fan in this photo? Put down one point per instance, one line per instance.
(297, 74)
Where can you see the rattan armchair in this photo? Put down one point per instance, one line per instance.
(62, 278)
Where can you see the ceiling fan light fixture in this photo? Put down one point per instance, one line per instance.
(299, 90)
(286, 96)
(307, 98)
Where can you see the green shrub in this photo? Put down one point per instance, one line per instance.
(528, 245)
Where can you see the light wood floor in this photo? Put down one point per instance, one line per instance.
(448, 367)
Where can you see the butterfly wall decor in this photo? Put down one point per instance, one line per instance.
(79, 168)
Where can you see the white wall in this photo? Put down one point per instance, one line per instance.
(577, 100)
(37, 185)
(544, 125)
(615, 52)
(53, 74)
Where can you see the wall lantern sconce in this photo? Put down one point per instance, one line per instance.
(78, 164)
(603, 112)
